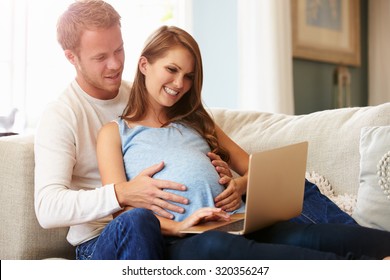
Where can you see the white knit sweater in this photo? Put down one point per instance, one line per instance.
(68, 190)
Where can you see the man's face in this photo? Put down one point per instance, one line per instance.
(99, 62)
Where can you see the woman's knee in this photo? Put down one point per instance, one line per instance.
(139, 214)
(135, 234)
(139, 218)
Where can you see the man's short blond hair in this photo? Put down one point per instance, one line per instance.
(84, 15)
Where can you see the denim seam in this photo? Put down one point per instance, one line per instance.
(307, 217)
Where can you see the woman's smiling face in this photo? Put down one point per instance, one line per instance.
(168, 78)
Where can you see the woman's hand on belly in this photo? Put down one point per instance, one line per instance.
(231, 198)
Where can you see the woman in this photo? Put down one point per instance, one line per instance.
(166, 121)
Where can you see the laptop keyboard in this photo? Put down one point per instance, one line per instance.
(234, 226)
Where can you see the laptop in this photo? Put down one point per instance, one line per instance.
(276, 180)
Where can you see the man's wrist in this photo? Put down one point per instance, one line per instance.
(118, 193)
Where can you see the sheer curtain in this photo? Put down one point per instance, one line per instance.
(265, 56)
(379, 54)
(13, 58)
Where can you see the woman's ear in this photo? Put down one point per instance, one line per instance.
(143, 64)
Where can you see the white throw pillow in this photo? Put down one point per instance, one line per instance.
(373, 200)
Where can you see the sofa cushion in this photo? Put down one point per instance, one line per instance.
(21, 236)
(373, 201)
(333, 137)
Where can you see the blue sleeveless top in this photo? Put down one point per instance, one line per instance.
(184, 153)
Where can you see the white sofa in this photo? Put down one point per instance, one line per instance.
(333, 162)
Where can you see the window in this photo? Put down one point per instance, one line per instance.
(33, 69)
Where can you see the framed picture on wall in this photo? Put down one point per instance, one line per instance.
(326, 30)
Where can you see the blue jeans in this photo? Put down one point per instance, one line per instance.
(133, 235)
(285, 241)
(319, 209)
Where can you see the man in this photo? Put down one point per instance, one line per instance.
(68, 191)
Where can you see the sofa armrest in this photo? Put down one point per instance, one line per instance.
(21, 236)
